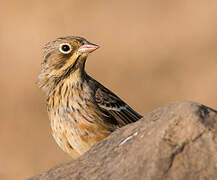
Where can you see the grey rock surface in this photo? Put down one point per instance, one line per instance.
(174, 142)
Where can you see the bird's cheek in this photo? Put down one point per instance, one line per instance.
(71, 60)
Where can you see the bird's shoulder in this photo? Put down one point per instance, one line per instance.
(110, 103)
(104, 96)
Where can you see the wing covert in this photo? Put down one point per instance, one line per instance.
(111, 103)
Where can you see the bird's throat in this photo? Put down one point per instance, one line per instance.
(73, 70)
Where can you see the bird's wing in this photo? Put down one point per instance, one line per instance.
(111, 104)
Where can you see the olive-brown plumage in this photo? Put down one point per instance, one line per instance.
(81, 110)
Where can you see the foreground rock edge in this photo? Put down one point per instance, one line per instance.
(152, 148)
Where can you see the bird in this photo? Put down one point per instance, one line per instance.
(81, 110)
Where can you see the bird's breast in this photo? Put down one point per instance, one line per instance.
(70, 98)
(74, 115)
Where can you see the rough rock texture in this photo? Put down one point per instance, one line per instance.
(175, 141)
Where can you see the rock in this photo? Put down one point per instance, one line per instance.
(176, 141)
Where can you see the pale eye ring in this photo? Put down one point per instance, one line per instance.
(65, 48)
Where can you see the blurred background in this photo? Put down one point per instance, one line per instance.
(152, 53)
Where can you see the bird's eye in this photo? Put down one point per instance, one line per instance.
(65, 48)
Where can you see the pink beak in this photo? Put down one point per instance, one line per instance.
(88, 48)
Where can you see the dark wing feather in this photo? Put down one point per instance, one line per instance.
(113, 106)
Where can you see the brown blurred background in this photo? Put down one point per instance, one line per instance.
(152, 52)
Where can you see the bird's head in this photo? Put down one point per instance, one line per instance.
(62, 58)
